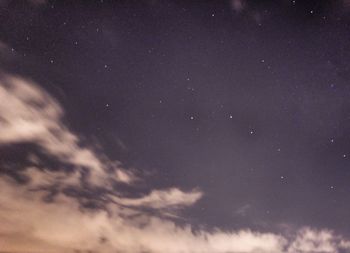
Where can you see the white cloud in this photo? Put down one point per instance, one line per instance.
(163, 199)
(313, 241)
(29, 224)
(345, 244)
(310, 240)
(29, 114)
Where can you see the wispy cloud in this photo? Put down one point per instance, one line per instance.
(30, 223)
(162, 199)
(311, 240)
(29, 114)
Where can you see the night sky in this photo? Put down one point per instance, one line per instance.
(175, 126)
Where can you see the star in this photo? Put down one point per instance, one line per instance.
(231, 116)
(190, 88)
(251, 132)
(191, 118)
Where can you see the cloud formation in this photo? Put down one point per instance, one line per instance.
(29, 114)
(30, 223)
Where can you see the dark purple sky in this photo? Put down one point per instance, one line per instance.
(244, 103)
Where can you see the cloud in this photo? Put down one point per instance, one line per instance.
(163, 199)
(309, 240)
(29, 114)
(32, 223)
(243, 210)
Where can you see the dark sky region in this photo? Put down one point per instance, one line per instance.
(175, 126)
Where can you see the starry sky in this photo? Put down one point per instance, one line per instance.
(175, 126)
